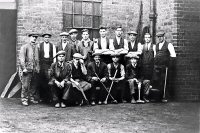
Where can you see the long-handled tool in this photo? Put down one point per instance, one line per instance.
(81, 90)
(104, 86)
(164, 90)
(139, 90)
(106, 101)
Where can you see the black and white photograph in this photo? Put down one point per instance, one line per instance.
(99, 66)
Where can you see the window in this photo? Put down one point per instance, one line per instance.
(81, 14)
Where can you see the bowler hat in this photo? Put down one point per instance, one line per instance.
(46, 34)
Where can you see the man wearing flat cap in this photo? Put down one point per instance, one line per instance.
(73, 39)
(29, 69)
(165, 56)
(97, 74)
(60, 73)
(133, 45)
(46, 53)
(78, 78)
(102, 44)
(85, 46)
(66, 46)
(117, 75)
(133, 76)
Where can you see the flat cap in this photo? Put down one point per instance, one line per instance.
(115, 54)
(33, 34)
(64, 34)
(97, 53)
(85, 30)
(61, 52)
(132, 32)
(46, 34)
(73, 31)
(77, 55)
(102, 27)
(132, 56)
(160, 33)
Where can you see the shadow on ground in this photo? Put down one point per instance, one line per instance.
(121, 118)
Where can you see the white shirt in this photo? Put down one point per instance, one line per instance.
(46, 50)
(103, 44)
(170, 48)
(64, 45)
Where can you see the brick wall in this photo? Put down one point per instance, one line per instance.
(180, 19)
(188, 41)
(38, 16)
(125, 13)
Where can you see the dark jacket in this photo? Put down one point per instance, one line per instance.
(101, 71)
(69, 49)
(132, 72)
(60, 73)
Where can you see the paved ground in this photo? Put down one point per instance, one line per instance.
(122, 118)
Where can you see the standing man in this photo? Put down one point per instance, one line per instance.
(73, 40)
(102, 44)
(60, 73)
(97, 74)
(85, 46)
(147, 64)
(133, 45)
(46, 53)
(66, 46)
(165, 55)
(119, 44)
(29, 67)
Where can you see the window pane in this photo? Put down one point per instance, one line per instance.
(77, 7)
(78, 21)
(87, 21)
(97, 9)
(67, 20)
(96, 21)
(87, 8)
(67, 7)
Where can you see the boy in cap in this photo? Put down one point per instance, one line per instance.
(46, 53)
(133, 75)
(66, 46)
(85, 46)
(116, 75)
(97, 75)
(60, 73)
(29, 69)
(79, 76)
(165, 56)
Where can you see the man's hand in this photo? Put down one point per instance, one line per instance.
(95, 78)
(62, 84)
(103, 80)
(81, 61)
(58, 84)
(25, 71)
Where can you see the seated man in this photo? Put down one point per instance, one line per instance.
(116, 77)
(79, 75)
(60, 72)
(132, 75)
(97, 75)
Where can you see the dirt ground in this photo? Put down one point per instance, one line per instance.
(172, 117)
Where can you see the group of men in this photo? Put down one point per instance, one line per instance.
(99, 72)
